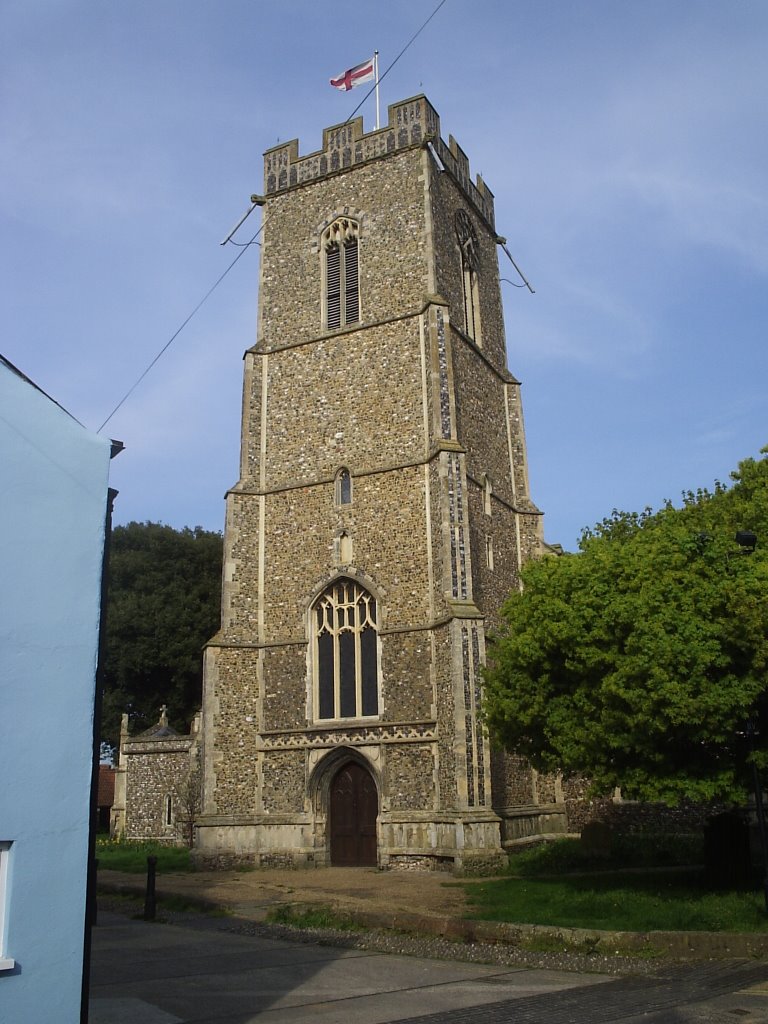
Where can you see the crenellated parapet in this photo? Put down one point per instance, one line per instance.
(410, 123)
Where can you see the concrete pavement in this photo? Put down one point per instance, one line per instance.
(146, 973)
(201, 972)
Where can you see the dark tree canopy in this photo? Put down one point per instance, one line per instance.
(642, 660)
(164, 604)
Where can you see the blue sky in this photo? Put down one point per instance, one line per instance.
(626, 144)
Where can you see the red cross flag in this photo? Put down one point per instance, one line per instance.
(358, 75)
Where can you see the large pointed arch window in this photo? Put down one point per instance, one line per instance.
(341, 273)
(346, 652)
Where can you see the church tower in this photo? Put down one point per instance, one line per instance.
(380, 519)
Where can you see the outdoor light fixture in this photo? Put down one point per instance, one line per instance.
(746, 540)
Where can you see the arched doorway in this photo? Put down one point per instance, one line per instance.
(353, 806)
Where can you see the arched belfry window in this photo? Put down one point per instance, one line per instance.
(343, 487)
(346, 653)
(341, 273)
(470, 263)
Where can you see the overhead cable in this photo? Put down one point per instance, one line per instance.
(244, 246)
(397, 58)
(178, 331)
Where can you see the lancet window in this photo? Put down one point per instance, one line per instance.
(343, 487)
(468, 246)
(487, 494)
(341, 273)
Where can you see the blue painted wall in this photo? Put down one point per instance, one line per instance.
(53, 494)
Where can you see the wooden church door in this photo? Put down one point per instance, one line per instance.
(354, 805)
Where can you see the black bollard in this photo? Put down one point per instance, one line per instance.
(761, 829)
(150, 903)
(94, 903)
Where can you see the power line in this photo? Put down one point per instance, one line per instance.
(397, 58)
(247, 245)
(178, 331)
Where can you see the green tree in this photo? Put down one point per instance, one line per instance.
(641, 660)
(164, 604)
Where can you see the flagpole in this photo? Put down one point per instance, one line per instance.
(376, 75)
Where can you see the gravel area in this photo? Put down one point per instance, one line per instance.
(378, 941)
(443, 949)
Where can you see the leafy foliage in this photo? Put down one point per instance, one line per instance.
(164, 599)
(641, 660)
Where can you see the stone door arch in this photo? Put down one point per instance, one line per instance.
(353, 807)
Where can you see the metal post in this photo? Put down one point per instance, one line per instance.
(150, 902)
(747, 541)
(90, 880)
(376, 79)
(95, 907)
(761, 829)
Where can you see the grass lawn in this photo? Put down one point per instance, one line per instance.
(560, 885)
(640, 850)
(618, 902)
(132, 857)
(313, 917)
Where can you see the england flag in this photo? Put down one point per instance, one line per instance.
(358, 75)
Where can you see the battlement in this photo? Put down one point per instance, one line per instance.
(410, 123)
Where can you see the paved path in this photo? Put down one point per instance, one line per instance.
(166, 974)
(201, 973)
